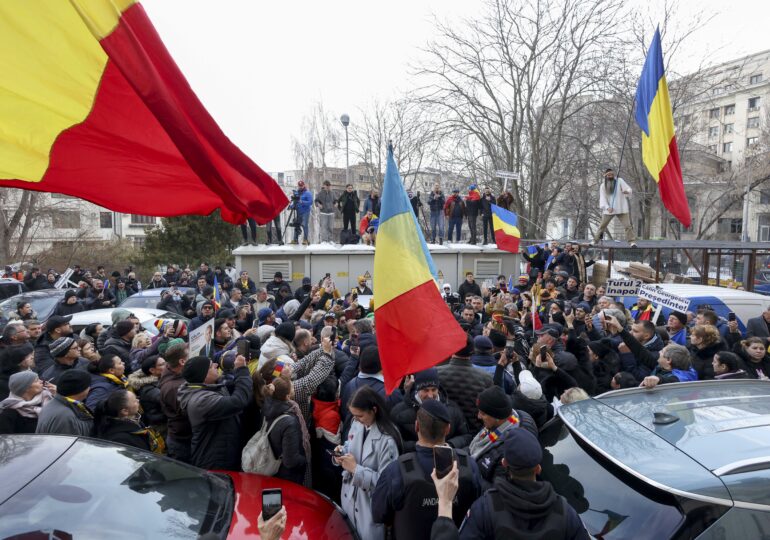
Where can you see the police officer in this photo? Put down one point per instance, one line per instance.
(498, 417)
(519, 506)
(405, 497)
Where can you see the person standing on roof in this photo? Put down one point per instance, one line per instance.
(614, 195)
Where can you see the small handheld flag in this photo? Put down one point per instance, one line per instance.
(505, 225)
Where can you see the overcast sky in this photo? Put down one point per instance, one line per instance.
(259, 66)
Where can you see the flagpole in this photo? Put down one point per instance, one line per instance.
(625, 137)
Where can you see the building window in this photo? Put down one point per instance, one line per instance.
(729, 110)
(725, 166)
(65, 219)
(729, 128)
(712, 148)
(105, 220)
(727, 147)
(730, 225)
(714, 113)
(764, 228)
(753, 104)
(713, 132)
(764, 196)
(752, 122)
(755, 79)
(142, 220)
(751, 141)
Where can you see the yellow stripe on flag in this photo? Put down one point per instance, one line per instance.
(400, 265)
(53, 66)
(655, 149)
(500, 225)
(101, 16)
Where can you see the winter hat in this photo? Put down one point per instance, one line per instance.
(69, 294)
(482, 343)
(529, 386)
(436, 409)
(600, 348)
(494, 402)
(119, 315)
(330, 315)
(548, 329)
(301, 184)
(497, 338)
(286, 331)
(291, 307)
(123, 328)
(681, 316)
(263, 314)
(196, 368)
(57, 321)
(426, 378)
(522, 449)
(255, 344)
(515, 291)
(163, 347)
(523, 277)
(61, 346)
(467, 350)
(278, 274)
(209, 303)
(226, 314)
(73, 381)
(19, 382)
(306, 281)
(585, 306)
(16, 354)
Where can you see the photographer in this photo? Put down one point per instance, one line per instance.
(302, 202)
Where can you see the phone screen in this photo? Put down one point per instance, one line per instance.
(443, 457)
(243, 348)
(271, 502)
(731, 316)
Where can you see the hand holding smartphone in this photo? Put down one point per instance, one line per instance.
(272, 501)
(443, 459)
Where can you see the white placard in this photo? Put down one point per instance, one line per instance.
(507, 175)
(623, 287)
(200, 338)
(364, 299)
(661, 297)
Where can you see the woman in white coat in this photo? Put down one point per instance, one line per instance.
(372, 443)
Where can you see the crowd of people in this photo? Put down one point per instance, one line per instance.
(445, 214)
(303, 399)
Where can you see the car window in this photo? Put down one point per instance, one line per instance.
(45, 305)
(610, 505)
(133, 494)
(9, 289)
(148, 302)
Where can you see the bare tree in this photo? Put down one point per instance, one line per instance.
(320, 141)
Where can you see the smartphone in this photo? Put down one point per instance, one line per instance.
(354, 340)
(543, 356)
(243, 348)
(333, 337)
(272, 500)
(731, 316)
(443, 459)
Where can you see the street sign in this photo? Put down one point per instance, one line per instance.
(507, 175)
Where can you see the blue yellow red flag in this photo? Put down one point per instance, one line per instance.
(655, 118)
(505, 225)
(415, 329)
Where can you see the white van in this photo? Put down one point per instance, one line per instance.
(745, 305)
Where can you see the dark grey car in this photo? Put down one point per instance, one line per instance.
(687, 460)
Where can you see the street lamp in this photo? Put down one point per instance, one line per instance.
(345, 119)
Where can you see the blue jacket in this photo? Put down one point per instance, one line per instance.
(375, 384)
(305, 202)
(488, 363)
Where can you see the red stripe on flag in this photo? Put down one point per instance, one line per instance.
(671, 186)
(415, 331)
(506, 242)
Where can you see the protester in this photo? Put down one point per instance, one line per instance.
(27, 396)
(66, 413)
(472, 210)
(14, 359)
(107, 376)
(614, 195)
(302, 205)
(66, 353)
(117, 420)
(454, 210)
(463, 383)
(325, 202)
(373, 442)
(756, 359)
(705, 342)
(727, 365)
(348, 204)
(436, 201)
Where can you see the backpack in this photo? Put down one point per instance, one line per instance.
(257, 456)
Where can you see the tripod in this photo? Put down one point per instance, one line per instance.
(292, 219)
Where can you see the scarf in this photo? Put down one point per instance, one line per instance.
(80, 406)
(122, 381)
(294, 408)
(486, 438)
(326, 417)
(27, 409)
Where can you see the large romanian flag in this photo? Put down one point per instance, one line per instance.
(93, 105)
(505, 225)
(415, 329)
(659, 151)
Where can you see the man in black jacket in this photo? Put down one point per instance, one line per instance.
(425, 385)
(55, 328)
(487, 200)
(469, 286)
(463, 383)
(213, 412)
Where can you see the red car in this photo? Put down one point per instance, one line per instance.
(80, 488)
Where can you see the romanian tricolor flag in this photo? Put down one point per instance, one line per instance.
(415, 329)
(505, 225)
(92, 105)
(659, 150)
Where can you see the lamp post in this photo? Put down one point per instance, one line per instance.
(345, 119)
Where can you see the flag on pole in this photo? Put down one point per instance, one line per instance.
(655, 118)
(505, 225)
(415, 329)
(96, 108)
(217, 292)
(510, 283)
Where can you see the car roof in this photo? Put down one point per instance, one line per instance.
(104, 316)
(28, 456)
(723, 293)
(39, 294)
(156, 292)
(719, 431)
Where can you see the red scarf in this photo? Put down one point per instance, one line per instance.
(326, 415)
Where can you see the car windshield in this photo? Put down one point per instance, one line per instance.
(610, 504)
(132, 494)
(9, 289)
(148, 302)
(42, 305)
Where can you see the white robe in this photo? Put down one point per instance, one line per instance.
(617, 201)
